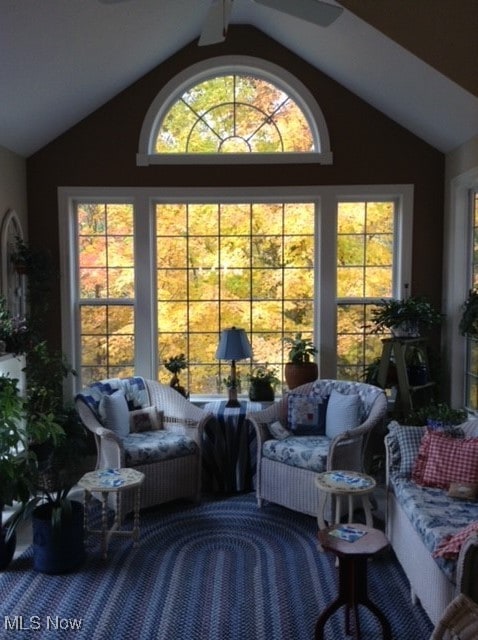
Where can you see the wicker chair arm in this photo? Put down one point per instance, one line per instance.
(109, 445)
(348, 440)
(261, 419)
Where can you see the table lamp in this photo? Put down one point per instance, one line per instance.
(233, 345)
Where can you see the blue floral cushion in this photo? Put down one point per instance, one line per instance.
(152, 446)
(306, 452)
(434, 515)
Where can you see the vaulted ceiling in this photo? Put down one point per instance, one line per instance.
(415, 60)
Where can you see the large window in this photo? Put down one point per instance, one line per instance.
(152, 273)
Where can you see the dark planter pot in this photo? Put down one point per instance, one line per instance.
(261, 392)
(57, 551)
(297, 374)
(7, 549)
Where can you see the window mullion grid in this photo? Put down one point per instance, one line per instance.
(283, 359)
(219, 279)
(251, 292)
(188, 316)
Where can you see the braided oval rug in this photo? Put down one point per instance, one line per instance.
(222, 570)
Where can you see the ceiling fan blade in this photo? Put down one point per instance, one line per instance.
(216, 24)
(316, 11)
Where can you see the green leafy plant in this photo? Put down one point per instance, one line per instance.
(469, 320)
(18, 461)
(6, 323)
(263, 375)
(301, 349)
(175, 364)
(415, 312)
(438, 413)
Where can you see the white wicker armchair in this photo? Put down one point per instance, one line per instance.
(294, 486)
(168, 476)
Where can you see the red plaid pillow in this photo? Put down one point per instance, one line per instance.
(450, 546)
(450, 460)
(421, 459)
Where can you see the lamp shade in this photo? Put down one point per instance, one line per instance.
(233, 345)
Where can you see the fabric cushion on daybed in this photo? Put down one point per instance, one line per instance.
(323, 415)
(434, 514)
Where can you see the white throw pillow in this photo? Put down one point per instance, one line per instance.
(343, 413)
(117, 413)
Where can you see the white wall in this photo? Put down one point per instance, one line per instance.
(461, 176)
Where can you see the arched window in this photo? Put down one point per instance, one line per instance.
(243, 109)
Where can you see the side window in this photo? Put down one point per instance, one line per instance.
(106, 291)
(365, 269)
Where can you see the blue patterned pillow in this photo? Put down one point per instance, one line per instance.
(408, 439)
(117, 413)
(343, 413)
(306, 414)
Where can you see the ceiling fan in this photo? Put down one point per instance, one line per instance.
(219, 14)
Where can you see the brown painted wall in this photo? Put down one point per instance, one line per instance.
(368, 148)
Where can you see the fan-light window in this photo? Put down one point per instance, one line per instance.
(244, 110)
(234, 114)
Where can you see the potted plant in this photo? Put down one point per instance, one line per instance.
(437, 415)
(407, 317)
(262, 382)
(58, 528)
(469, 318)
(300, 369)
(17, 460)
(174, 365)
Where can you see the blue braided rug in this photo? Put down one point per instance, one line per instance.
(224, 570)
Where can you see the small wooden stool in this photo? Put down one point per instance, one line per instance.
(344, 484)
(352, 558)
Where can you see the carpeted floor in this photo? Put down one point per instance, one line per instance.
(223, 570)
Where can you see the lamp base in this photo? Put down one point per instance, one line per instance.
(233, 401)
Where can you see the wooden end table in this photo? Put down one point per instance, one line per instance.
(347, 484)
(353, 557)
(104, 482)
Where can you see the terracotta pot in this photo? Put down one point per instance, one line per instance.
(297, 374)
